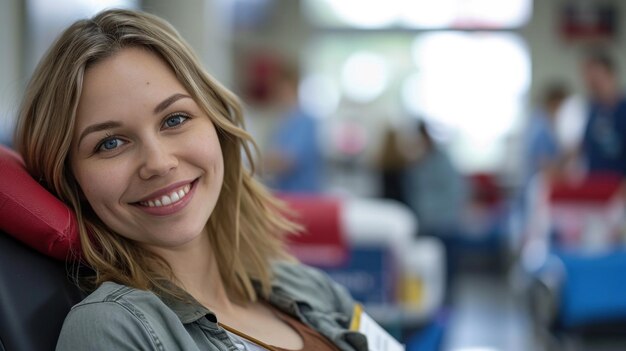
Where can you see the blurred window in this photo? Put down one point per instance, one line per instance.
(46, 19)
(472, 87)
(419, 14)
(379, 62)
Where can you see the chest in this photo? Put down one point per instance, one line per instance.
(267, 326)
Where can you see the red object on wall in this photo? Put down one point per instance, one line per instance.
(588, 21)
(258, 82)
(323, 242)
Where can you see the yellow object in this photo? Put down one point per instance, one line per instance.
(378, 339)
(412, 291)
(355, 324)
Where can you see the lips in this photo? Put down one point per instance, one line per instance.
(173, 197)
(169, 200)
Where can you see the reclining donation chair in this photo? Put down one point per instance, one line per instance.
(35, 291)
(577, 279)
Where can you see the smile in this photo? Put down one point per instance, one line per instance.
(169, 199)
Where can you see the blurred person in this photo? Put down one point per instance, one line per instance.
(542, 151)
(438, 194)
(604, 140)
(392, 164)
(293, 162)
(436, 191)
(121, 123)
(545, 156)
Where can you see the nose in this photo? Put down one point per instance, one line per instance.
(157, 160)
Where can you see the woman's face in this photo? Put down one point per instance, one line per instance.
(146, 157)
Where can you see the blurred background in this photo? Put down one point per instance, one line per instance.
(457, 164)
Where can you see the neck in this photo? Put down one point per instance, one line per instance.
(195, 267)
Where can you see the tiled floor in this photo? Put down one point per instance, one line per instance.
(486, 316)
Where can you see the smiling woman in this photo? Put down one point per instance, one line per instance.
(148, 159)
(120, 122)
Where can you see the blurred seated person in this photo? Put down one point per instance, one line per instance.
(438, 194)
(604, 141)
(392, 165)
(293, 162)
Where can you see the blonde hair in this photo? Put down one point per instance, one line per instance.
(247, 226)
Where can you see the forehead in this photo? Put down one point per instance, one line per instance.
(131, 81)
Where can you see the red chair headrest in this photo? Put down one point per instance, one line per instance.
(595, 188)
(322, 243)
(31, 214)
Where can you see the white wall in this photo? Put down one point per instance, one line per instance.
(205, 25)
(11, 82)
(554, 59)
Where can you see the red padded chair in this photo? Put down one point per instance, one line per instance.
(323, 242)
(36, 292)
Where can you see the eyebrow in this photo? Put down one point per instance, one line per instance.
(98, 127)
(112, 124)
(167, 102)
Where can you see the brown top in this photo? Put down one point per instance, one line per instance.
(311, 339)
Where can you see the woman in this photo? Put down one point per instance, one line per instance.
(121, 123)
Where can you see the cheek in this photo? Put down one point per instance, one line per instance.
(215, 165)
(218, 164)
(208, 151)
(101, 186)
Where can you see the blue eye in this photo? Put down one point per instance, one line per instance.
(175, 121)
(110, 144)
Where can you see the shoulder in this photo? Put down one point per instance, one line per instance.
(134, 301)
(113, 316)
(311, 285)
(108, 291)
(441, 158)
(286, 272)
(300, 118)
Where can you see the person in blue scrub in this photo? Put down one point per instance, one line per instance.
(604, 140)
(294, 160)
(542, 151)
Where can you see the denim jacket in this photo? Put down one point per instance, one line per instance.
(117, 317)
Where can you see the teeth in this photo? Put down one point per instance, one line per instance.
(165, 200)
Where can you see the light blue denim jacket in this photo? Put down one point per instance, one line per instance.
(117, 317)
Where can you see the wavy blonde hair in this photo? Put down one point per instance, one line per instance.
(247, 226)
